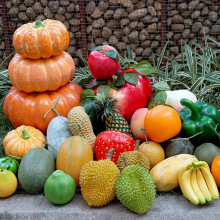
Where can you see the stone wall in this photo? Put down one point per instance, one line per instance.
(136, 23)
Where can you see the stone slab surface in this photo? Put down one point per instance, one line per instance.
(24, 206)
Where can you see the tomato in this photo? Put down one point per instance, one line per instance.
(101, 65)
(215, 170)
(162, 123)
(59, 188)
(8, 183)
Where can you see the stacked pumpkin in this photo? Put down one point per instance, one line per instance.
(40, 73)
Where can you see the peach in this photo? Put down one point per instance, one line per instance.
(137, 121)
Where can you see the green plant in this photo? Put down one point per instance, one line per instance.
(5, 86)
(82, 75)
(196, 68)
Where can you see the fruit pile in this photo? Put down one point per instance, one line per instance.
(120, 136)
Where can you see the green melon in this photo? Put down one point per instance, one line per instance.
(36, 166)
(178, 146)
(207, 152)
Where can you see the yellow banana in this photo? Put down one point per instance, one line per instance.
(186, 187)
(180, 174)
(202, 185)
(204, 164)
(210, 183)
(196, 188)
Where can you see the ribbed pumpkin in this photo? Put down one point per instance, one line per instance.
(19, 141)
(23, 108)
(41, 39)
(74, 153)
(41, 75)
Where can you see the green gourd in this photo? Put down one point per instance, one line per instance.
(9, 163)
(59, 188)
(35, 167)
(57, 132)
(207, 152)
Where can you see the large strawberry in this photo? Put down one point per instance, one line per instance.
(112, 139)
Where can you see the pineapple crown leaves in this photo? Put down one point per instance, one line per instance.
(105, 105)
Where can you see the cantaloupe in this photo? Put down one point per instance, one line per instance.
(36, 166)
(165, 173)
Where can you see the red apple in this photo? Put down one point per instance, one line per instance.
(131, 97)
(137, 122)
(101, 65)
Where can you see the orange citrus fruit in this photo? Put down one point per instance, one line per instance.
(215, 170)
(162, 123)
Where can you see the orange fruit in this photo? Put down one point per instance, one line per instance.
(215, 170)
(162, 123)
(153, 151)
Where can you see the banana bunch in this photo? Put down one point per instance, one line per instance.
(197, 183)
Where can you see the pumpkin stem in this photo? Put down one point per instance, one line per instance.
(145, 135)
(137, 143)
(25, 135)
(38, 24)
(53, 107)
(44, 146)
(126, 162)
(79, 124)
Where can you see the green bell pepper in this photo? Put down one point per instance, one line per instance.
(198, 117)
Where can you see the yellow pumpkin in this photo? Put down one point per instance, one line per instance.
(165, 173)
(8, 183)
(22, 139)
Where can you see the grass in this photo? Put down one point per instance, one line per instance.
(196, 69)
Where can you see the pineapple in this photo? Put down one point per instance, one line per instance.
(109, 113)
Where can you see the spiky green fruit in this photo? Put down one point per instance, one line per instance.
(135, 188)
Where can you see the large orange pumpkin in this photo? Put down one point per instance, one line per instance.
(19, 141)
(41, 75)
(23, 108)
(41, 39)
(74, 153)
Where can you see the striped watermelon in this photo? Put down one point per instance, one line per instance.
(9, 163)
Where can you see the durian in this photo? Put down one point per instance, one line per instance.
(97, 180)
(133, 157)
(135, 188)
